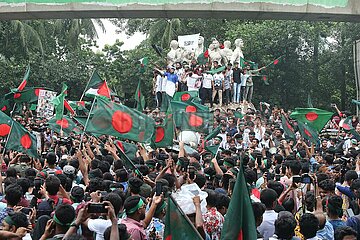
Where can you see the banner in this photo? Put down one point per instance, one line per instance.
(189, 42)
(45, 108)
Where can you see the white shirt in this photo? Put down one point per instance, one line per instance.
(192, 82)
(164, 81)
(267, 227)
(99, 226)
(159, 83)
(259, 135)
(244, 77)
(208, 78)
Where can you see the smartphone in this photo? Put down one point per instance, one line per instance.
(349, 212)
(296, 179)
(277, 177)
(38, 182)
(192, 174)
(26, 210)
(305, 178)
(97, 208)
(158, 188)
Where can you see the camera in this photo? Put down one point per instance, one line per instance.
(305, 178)
(97, 208)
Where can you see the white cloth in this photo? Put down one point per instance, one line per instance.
(208, 78)
(170, 88)
(244, 77)
(259, 136)
(99, 226)
(267, 227)
(159, 83)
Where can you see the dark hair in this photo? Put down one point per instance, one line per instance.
(351, 175)
(295, 167)
(75, 163)
(309, 225)
(135, 184)
(321, 177)
(258, 209)
(65, 214)
(24, 183)
(30, 172)
(344, 231)
(13, 194)
(118, 165)
(11, 172)
(289, 204)
(223, 201)
(108, 176)
(284, 227)
(200, 180)
(268, 196)
(109, 159)
(250, 175)
(170, 179)
(310, 201)
(327, 185)
(212, 197)
(334, 206)
(122, 174)
(19, 219)
(123, 234)
(52, 184)
(276, 186)
(51, 158)
(131, 202)
(116, 201)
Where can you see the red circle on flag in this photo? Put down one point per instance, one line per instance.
(190, 109)
(160, 134)
(63, 123)
(311, 116)
(185, 97)
(276, 61)
(346, 126)
(121, 122)
(307, 132)
(4, 130)
(195, 121)
(37, 91)
(4, 108)
(17, 95)
(25, 141)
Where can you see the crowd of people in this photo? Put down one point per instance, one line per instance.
(83, 189)
(223, 85)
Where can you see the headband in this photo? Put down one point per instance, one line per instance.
(134, 209)
(163, 205)
(60, 223)
(228, 164)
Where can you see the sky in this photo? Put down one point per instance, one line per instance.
(110, 36)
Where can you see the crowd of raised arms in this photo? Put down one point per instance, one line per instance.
(82, 187)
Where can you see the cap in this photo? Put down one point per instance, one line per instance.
(69, 170)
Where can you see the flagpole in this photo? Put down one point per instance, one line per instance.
(87, 121)
(87, 85)
(185, 216)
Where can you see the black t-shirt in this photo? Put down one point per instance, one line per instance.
(237, 75)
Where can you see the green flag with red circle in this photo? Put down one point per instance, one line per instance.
(21, 140)
(24, 81)
(288, 128)
(29, 95)
(177, 224)
(110, 118)
(187, 96)
(139, 98)
(5, 124)
(66, 125)
(5, 105)
(313, 117)
(239, 220)
(164, 133)
(308, 132)
(195, 121)
(186, 107)
(58, 103)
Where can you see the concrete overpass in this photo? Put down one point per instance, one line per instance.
(318, 10)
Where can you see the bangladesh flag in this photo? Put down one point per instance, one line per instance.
(68, 107)
(313, 117)
(195, 121)
(5, 124)
(66, 125)
(187, 107)
(212, 148)
(21, 140)
(5, 105)
(244, 63)
(185, 96)
(59, 102)
(275, 62)
(97, 87)
(288, 128)
(139, 98)
(165, 103)
(143, 64)
(177, 224)
(164, 133)
(80, 107)
(217, 70)
(110, 118)
(239, 220)
(308, 133)
(24, 81)
(29, 95)
(203, 58)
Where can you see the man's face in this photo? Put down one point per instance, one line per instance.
(324, 144)
(142, 212)
(349, 237)
(278, 133)
(231, 121)
(6, 226)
